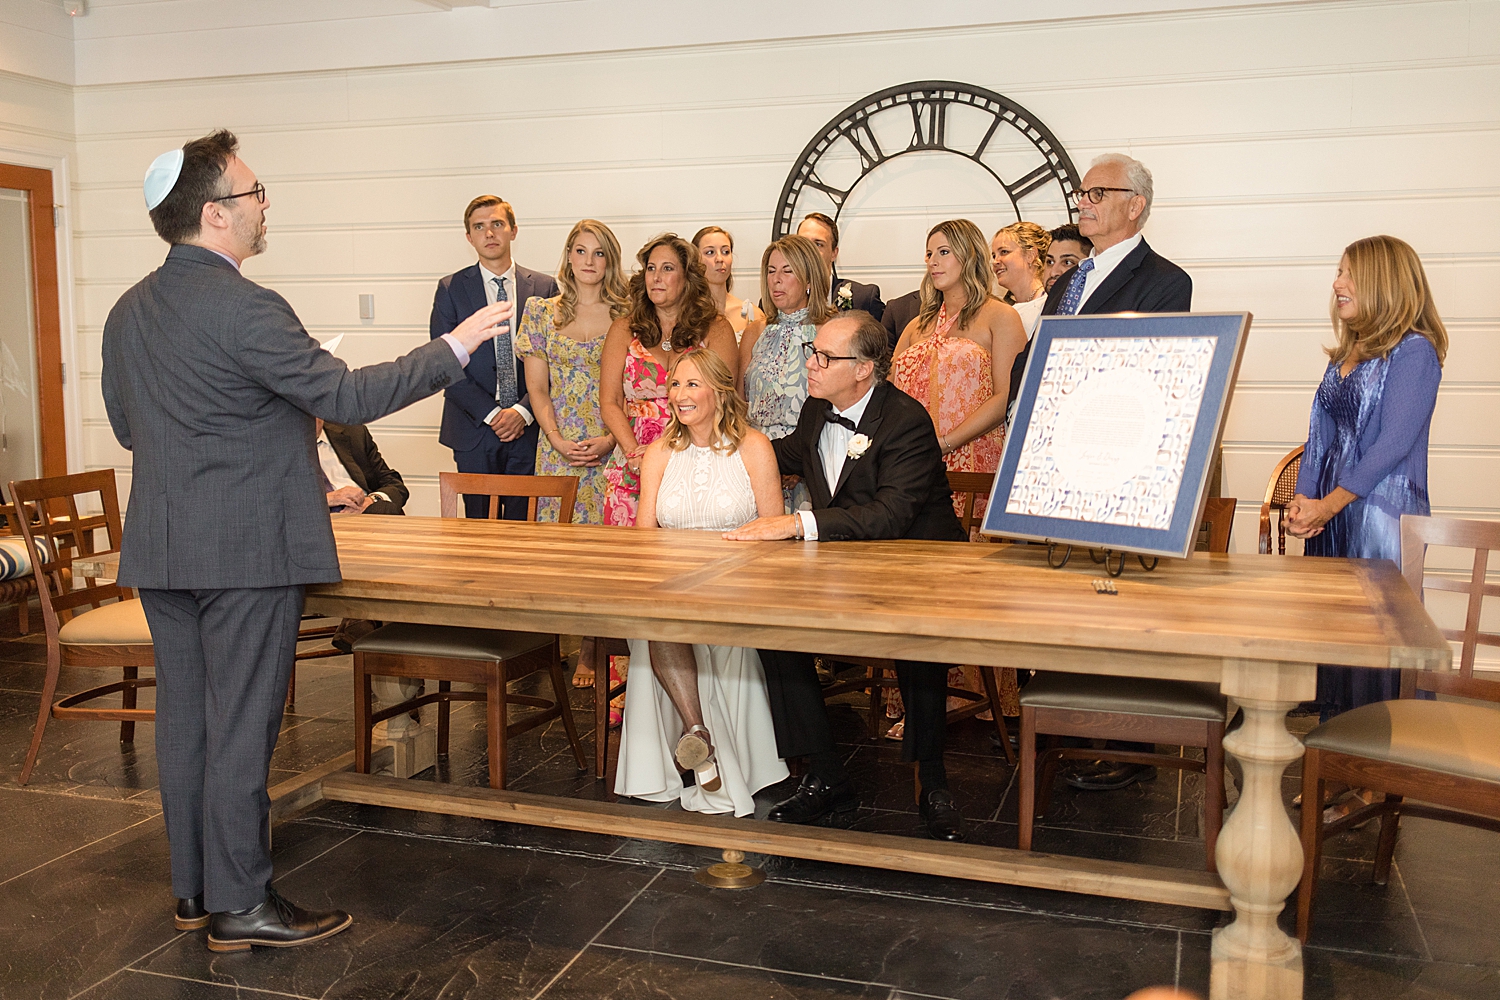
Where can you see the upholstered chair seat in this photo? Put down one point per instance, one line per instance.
(122, 623)
(404, 639)
(1448, 737)
(1131, 695)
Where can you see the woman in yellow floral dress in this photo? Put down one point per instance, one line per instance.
(561, 340)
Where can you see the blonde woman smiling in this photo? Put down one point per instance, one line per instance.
(696, 707)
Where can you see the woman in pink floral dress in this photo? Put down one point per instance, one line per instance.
(671, 312)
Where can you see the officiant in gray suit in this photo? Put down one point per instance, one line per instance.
(213, 384)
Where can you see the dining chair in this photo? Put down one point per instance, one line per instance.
(1444, 754)
(17, 581)
(1280, 490)
(93, 625)
(487, 658)
(1144, 710)
(880, 672)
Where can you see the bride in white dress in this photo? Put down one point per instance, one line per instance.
(697, 707)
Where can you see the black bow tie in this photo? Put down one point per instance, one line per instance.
(834, 418)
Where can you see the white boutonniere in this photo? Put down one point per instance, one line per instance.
(858, 445)
(845, 296)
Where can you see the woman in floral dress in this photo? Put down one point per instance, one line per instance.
(670, 311)
(794, 286)
(955, 359)
(561, 340)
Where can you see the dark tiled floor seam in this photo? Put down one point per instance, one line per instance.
(895, 990)
(597, 934)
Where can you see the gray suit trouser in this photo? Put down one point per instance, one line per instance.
(223, 661)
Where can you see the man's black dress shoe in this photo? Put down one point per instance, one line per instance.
(940, 813)
(1111, 777)
(816, 802)
(276, 923)
(191, 915)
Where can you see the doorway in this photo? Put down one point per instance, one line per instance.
(32, 434)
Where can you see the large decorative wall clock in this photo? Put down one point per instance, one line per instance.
(1030, 167)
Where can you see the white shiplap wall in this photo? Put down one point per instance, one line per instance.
(1278, 133)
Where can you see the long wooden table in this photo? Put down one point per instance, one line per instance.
(1256, 625)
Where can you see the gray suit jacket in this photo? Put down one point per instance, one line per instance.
(212, 382)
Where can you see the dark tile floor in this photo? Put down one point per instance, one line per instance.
(449, 908)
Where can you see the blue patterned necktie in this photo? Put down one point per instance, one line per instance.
(1073, 297)
(505, 359)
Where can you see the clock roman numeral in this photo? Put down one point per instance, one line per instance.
(863, 140)
(929, 121)
(1037, 178)
(836, 194)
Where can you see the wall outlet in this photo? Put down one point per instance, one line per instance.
(367, 308)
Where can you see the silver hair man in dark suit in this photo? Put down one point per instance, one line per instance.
(213, 384)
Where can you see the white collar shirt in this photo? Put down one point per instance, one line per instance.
(1106, 262)
(833, 449)
(333, 469)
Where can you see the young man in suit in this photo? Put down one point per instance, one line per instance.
(487, 417)
(356, 471)
(872, 463)
(1121, 274)
(212, 384)
(1068, 247)
(845, 295)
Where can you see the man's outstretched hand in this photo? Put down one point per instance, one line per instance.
(481, 326)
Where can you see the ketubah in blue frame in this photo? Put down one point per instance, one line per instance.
(1229, 329)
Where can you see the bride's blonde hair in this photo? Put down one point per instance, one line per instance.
(730, 425)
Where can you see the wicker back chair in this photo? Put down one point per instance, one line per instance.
(1279, 492)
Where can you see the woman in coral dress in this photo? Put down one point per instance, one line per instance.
(955, 359)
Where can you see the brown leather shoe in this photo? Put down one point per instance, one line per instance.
(190, 915)
(276, 923)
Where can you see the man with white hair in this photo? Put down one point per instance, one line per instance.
(1122, 274)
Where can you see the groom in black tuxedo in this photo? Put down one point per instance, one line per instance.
(873, 466)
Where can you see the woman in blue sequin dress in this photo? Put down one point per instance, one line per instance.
(1365, 462)
(794, 292)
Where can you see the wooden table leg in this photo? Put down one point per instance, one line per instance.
(1259, 855)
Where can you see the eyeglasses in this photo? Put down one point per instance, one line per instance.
(824, 358)
(1096, 194)
(259, 191)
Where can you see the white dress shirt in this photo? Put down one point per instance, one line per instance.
(333, 467)
(1104, 263)
(833, 449)
(491, 296)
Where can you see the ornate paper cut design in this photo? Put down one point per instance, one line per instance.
(1110, 432)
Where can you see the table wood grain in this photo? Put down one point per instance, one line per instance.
(951, 602)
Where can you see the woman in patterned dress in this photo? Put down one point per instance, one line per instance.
(794, 286)
(716, 250)
(670, 311)
(561, 340)
(955, 359)
(1365, 462)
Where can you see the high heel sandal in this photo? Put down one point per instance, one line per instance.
(695, 752)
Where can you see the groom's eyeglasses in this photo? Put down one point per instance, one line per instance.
(259, 193)
(824, 359)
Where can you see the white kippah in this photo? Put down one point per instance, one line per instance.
(161, 177)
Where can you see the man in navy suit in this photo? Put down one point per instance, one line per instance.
(845, 295)
(1121, 274)
(487, 417)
